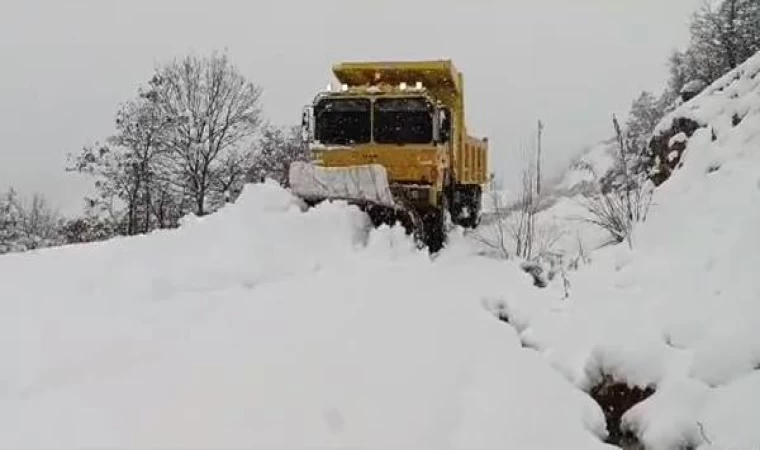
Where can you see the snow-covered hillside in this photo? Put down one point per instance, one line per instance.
(680, 313)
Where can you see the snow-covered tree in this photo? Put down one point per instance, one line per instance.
(215, 112)
(180, 146)
(723, 35)
(229, 176)
(10, 233)
(39, 224)
(143, 136)
(646, 112)
(27, 226)
(275, 151)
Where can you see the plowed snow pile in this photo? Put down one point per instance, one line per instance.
(681, 311)
(264, 327)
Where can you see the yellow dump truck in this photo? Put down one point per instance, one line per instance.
(391, 138)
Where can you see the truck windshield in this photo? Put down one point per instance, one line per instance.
(343, 121)
(403, 121)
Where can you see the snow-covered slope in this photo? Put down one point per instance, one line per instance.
(681, 311)
(587, 168)
(266, 327)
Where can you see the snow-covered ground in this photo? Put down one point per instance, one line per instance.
(266, 327)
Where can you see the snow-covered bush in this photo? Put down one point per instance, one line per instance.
(27, 225)
(276, 150)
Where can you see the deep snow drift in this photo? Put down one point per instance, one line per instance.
(266, 327)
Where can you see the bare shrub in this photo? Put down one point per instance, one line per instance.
(623, 201)
(516, 229)
(493, 232)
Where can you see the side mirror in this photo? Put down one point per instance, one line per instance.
(443, 125)
(436, 126)
(306, 124)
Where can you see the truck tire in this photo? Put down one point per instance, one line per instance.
(467, 206)
(434, 226)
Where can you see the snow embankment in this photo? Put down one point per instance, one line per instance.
(264, 326)
(680, 313)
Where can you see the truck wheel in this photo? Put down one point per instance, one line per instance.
(434, 227)
(475, 206)
(467, 207)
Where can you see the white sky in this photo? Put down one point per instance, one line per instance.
(67, 64)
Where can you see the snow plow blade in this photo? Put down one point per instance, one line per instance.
(354, 184)
(364, 186)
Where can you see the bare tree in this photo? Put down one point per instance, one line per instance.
(143, 132)
(181, 146)
(215, 109)
(130, 166)
(229, 176)
(523, 224)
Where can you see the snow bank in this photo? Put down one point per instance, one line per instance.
(263, 326)
(680, 312)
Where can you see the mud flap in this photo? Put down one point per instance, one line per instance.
(363, 184)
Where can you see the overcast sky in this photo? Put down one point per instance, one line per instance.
(67, 64)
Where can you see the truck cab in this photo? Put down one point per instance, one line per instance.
(402, 123)
(403, 129)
